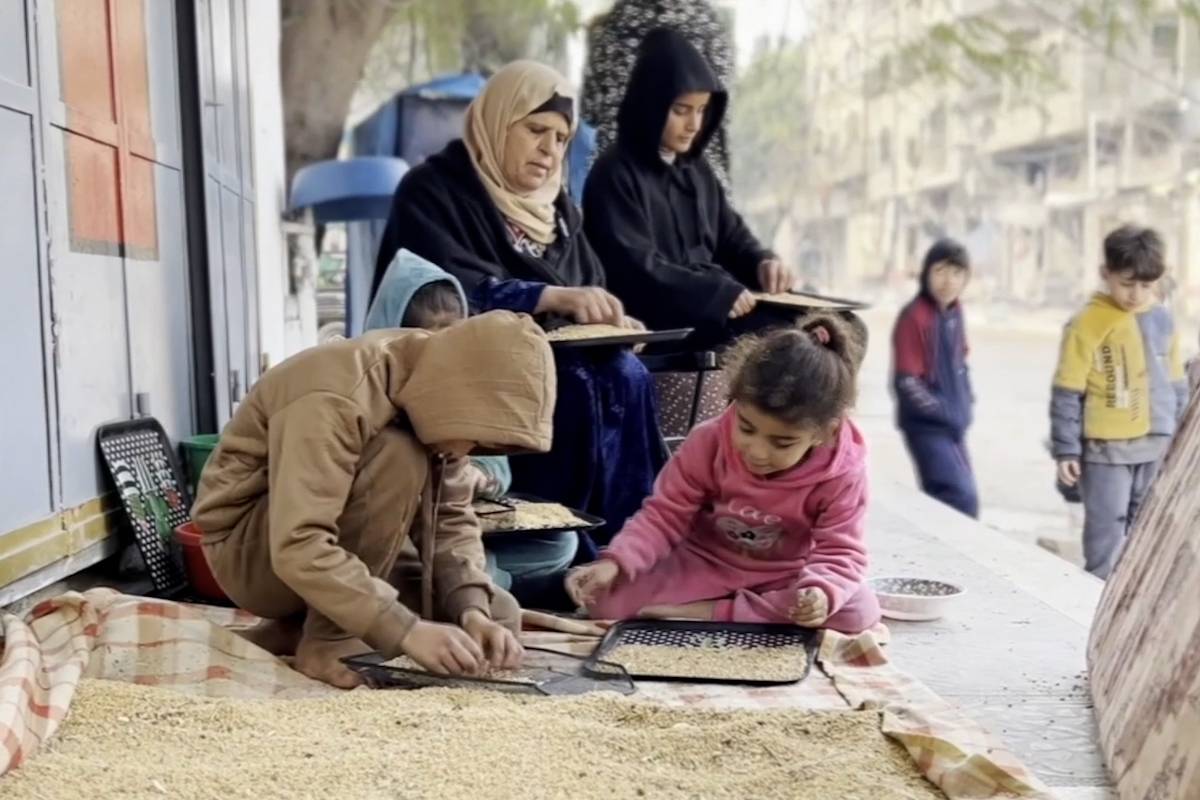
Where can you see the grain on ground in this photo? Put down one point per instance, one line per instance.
(144, 743)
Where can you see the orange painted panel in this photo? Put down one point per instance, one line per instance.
(94, 206)
(141, 216)
(85, 58)
(112, 203)
(133, 71)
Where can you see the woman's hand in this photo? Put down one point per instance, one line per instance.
(587, 582)
(811, 609)
(502, 649)
(587, 305)
(775, 277)
(744, 304)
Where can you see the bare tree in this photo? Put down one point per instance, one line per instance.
(329, 45)
(323, 52)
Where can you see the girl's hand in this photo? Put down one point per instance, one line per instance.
(811, 609)
(587, 582)
(1069, 471)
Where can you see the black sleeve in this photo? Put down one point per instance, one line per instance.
(426, 220)
(661, 292)
(738, 249)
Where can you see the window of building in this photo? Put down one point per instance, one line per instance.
(1164, 40)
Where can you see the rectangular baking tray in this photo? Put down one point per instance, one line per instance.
(591, 522)
(554, 673)
(677, 633)
(628, 339)
(815, 301)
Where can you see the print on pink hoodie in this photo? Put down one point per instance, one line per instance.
(715, 530)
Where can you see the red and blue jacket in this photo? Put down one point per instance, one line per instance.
(929, 368)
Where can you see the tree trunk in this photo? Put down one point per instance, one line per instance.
(323, 52)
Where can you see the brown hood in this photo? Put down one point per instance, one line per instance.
(488, 380)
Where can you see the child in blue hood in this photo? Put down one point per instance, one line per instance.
(415, 293)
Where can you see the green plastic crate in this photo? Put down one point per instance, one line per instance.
(196, 450)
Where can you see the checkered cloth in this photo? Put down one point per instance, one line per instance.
(951, 750)
(104, 634)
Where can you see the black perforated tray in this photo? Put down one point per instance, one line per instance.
(556, 674)
(683, 633)
(629, 339)
(153, 493)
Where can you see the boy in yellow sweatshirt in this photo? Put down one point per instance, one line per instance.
(1118, 393)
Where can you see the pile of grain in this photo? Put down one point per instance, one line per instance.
(526, 516)
(577, 333)
(143, 743)
(511, 675)
(710, 660)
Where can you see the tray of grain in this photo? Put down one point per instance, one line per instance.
(611, 336)
(810, 300)
(544, 672)
(742, 653)
(519, 514)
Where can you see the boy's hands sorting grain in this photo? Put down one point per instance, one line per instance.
(443, 648)
(501, 648)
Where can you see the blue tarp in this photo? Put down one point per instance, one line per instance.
(348, 189)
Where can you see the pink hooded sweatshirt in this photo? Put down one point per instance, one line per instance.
(793, 530)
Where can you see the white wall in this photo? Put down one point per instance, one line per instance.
(287, 321)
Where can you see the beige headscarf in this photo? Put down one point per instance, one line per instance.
(512, 94)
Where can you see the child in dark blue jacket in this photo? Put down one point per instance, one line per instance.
(933, 387)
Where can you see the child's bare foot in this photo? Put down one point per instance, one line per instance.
(320, 659)
(279, 637)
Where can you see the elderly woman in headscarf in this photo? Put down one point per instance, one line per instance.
(491, 210)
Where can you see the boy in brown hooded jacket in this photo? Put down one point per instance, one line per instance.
(349, 457)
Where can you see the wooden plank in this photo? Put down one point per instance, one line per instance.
(1144, 649)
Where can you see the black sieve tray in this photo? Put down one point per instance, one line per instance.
(556, 674)
(682, 634)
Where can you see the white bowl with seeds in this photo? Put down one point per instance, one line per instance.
(915, 599)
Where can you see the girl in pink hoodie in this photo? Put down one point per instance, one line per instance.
(759, 516)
